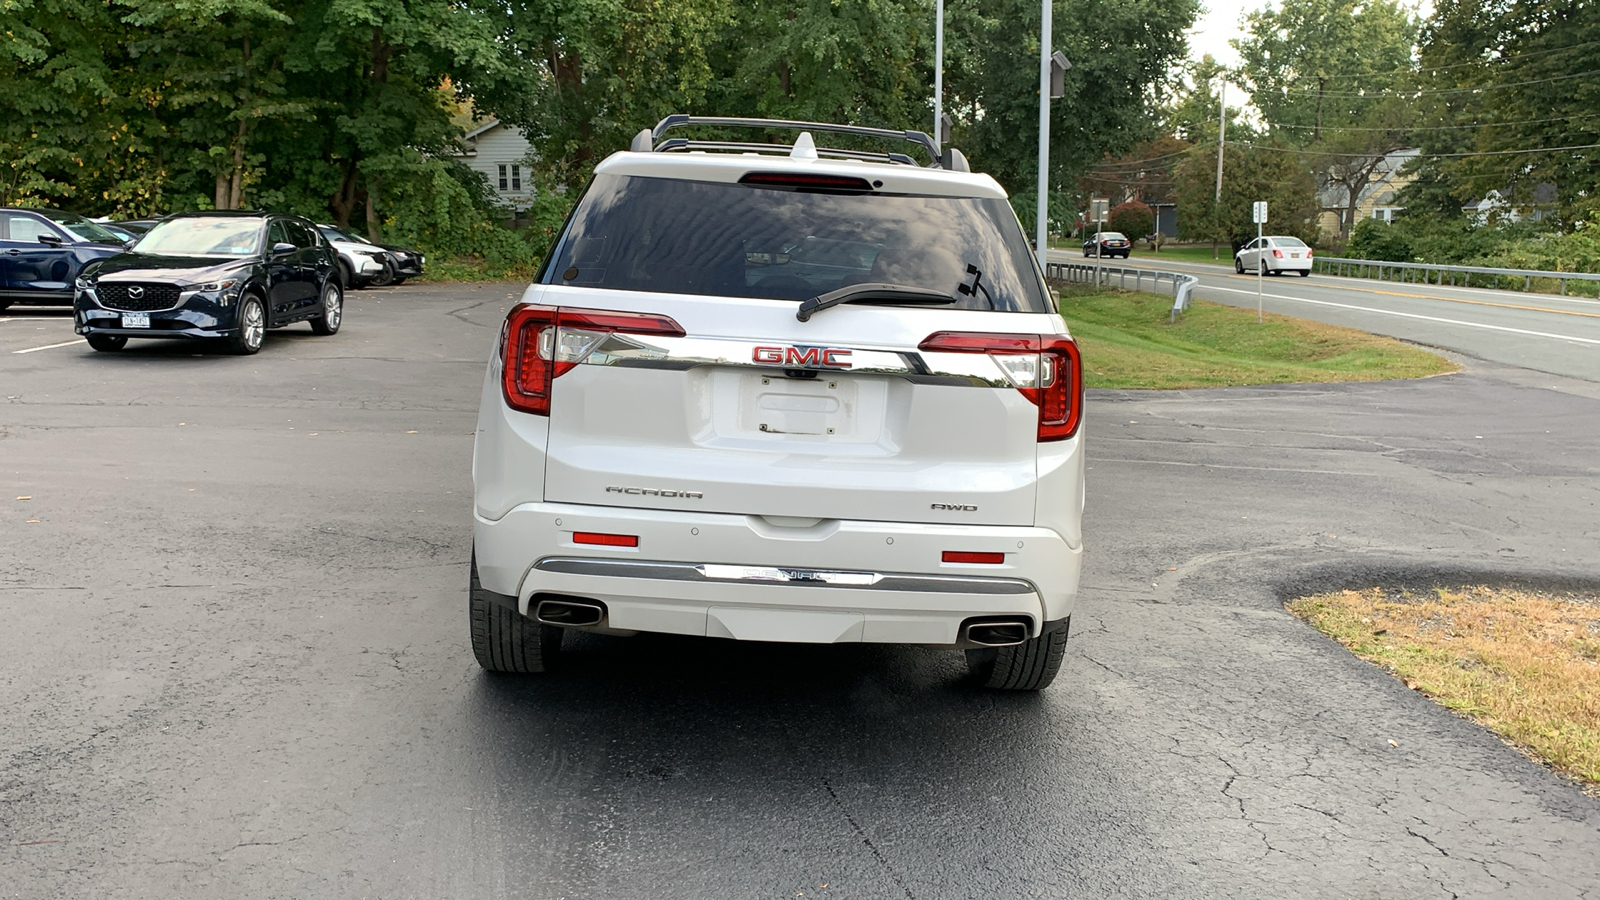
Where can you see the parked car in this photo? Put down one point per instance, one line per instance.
(1108, 243)
(43, 250)
(368, 264)
(1274, 254)
(216, 276)
(127, 235)
(780, 396)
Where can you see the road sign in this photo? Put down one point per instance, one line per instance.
(1098, 209)
(1258, 212)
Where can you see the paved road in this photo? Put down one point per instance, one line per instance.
(236, 665)
(1545, 332)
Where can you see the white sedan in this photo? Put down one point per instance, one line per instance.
(1274, 254)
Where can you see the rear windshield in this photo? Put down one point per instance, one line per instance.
(633, 233)
(1112, 236)
(1288, 242)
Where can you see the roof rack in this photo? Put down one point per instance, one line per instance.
(646, 140)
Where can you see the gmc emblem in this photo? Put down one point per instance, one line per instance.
(803, 357)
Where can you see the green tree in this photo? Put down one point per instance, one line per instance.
(1336, 79)
(1251, 173)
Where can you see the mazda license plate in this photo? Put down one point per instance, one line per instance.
(136, 320)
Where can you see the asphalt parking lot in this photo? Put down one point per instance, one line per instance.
(236, 659)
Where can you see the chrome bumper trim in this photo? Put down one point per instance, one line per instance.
(712, 573)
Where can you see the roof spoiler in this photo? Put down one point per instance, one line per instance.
(648, 140)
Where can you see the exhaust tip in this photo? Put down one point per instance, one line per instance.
(997, 632)
(569, 612)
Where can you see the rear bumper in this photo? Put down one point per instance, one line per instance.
(742, 577)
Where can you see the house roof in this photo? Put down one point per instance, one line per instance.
(486, 126)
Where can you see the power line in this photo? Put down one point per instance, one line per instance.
(1420, 154)
(1137, 163)
(1438, 127)
(1499, 86)
(1465, 65)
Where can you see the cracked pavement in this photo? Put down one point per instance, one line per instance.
(236, 659)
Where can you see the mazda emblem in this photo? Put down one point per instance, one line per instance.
(136, 292)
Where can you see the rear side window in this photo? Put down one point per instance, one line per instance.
(633, 233)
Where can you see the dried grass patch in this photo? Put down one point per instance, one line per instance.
(1523, 663)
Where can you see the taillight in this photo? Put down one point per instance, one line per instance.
(1047, 369)
(1308, 253)
(1278, 254)
(542, 343)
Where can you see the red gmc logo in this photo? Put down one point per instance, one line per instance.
(812, 357)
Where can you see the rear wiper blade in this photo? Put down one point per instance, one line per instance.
(878, 292)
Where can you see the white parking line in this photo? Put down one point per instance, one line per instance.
(49, 346)
(1406, 315)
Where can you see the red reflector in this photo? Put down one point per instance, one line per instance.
(962, 556)
(605, 540)
(814, 182)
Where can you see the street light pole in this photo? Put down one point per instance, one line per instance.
(1042, 230)
(938, 73)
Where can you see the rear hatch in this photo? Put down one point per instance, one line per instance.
(680, 377)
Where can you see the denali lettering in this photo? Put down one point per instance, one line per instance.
(814, 357)
(953, 507)
(654, 492)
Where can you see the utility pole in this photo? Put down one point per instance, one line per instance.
(1042, 229)
(938, 75)
(1222, 132)
(1222, 140)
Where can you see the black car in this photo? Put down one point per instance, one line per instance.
(226, 276)
(1107, 243)
(43, 250)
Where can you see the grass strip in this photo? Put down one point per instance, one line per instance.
(1129, 341)
(1522, 663)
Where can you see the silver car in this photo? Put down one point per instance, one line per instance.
(363, 263)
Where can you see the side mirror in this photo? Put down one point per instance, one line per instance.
(54, 240)
(283, 248)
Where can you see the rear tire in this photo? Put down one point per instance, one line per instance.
(502, 639)
(1264, 269)
(332, 310)
(106, 343)
(1028, 666)
(1304, 272)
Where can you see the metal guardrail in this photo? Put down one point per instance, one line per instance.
(1084, 273)
(1429, 273)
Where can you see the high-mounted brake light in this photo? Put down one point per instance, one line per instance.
(605, 540)
(542, 343)
(964, 556)
(803, 181)
(1047, 369)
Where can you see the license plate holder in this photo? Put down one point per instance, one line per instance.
(135, 320)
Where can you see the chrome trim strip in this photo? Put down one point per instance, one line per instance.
(658, 352)
(713, 573)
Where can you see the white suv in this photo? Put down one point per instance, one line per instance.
(783, 393)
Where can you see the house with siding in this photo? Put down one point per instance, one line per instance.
(1376, 200)
(500, 152)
